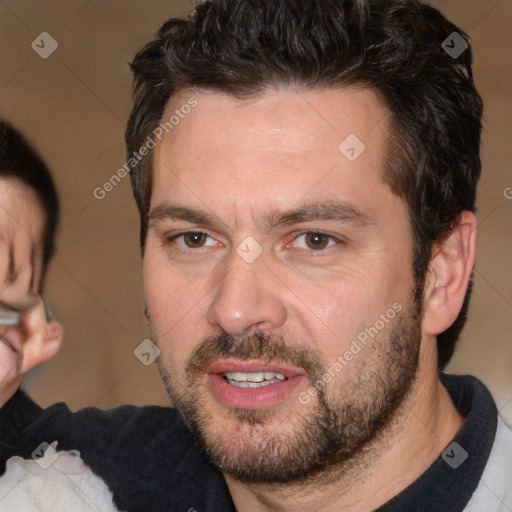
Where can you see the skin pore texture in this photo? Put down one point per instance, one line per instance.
(332, 255)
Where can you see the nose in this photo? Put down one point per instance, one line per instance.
(249, 297)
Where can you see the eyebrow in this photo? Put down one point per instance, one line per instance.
(32, 284)
(170, 211)
(334, 211)
(12, 273)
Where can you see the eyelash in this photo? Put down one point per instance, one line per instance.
(174, 237)
(337, 240)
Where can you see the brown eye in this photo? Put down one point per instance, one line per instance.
(316, 240)
(194, 239)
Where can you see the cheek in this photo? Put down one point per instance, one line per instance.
(176, 305)
(334, 313)
(333, 317)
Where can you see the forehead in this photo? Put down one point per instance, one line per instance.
(20, 205)
(273, 150)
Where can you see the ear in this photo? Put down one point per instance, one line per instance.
(448, 276)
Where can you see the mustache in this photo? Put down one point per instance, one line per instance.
(257, 345)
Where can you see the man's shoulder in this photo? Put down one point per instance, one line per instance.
(145, 455)
(22, 412)
(25, 425)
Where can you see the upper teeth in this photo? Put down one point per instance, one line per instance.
(253, 377)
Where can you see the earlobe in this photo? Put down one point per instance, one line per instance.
(449, 273)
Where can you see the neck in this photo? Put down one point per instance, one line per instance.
(423, 426)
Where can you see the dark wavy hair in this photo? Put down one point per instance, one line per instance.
(245, 47)
(19, 160)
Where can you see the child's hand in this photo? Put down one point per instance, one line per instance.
(32, 341)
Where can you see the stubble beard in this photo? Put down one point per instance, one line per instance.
(273, 446)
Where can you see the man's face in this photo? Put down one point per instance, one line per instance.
(21, 232)
(272, 254)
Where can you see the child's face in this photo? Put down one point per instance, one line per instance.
(21, 232)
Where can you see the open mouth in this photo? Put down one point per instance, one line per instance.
(253, 384)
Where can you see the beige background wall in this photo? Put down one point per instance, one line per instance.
(73, 106)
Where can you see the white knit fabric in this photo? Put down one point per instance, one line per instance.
(494, 492)
(57, 482)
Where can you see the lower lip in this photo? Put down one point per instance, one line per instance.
(253, 398)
